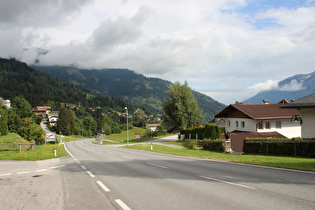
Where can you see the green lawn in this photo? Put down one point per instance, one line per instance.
(41, 152)
(121, 138)
(307, 164)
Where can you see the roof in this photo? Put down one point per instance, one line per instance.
(152, 125)
(305, 102)
(257, 111)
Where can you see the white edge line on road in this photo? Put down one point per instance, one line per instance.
(102, 186)
(9, 174)
(82, 166)
(129, 158)
(65, 146)
(24, 172)
(89, 173)
(227, 182)
(153, 164)
(122, 204)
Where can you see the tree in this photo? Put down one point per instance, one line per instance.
(89, 125)
(65, 123)
(181, 109)
(22, 107)
(4, 128)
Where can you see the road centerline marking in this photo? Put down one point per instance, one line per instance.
(102, 186)
(157, 165)
(129, 158)
(89, 173)
(227, 182)
(23, 172)
(41, 170)
(122, 204)
(8, 174)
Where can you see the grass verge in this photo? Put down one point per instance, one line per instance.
(306, 164)
(41, 152)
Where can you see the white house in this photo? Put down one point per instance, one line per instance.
(6, 103)
(307, 107)
(261, 118)
(152, 127)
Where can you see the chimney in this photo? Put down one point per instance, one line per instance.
(265, 101)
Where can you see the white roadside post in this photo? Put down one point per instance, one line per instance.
(127, 126)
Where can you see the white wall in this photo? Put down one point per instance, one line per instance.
(308, 125)
(288, 129)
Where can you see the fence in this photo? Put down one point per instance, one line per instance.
(32, 145)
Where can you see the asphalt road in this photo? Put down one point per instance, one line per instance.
(124, 178)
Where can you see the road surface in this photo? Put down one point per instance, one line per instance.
(131, 179)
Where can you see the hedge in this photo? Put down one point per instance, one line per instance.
(210, 131)
(217, 146)
(281, 147)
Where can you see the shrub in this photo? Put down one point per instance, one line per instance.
(214, 145)
(192, 144)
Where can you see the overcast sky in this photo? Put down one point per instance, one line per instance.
(227, 49)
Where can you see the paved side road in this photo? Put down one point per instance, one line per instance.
(49, 184)
(31, 185)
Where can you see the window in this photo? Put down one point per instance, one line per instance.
(267, 125)
(236, 124)
(278, 124)
(243, 124)
(260, 126)
(229, 123)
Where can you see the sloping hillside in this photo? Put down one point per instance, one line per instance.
(294, 87)
(18, 79)
(128, 85)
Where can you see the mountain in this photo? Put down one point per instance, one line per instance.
(128, 85)
(40, 88)
(294, 87)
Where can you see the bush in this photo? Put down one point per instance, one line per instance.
(210, 131)
(192, 144)
(4, 130)
(214, 145)
(281, 147)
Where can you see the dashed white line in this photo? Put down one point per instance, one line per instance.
(122, 204)
(227, 182)
(23, 172)
(8, 174)
(89, 173)
(129, 158)
(102, 186)
(41, 170)
(153, 164)
(82, 167)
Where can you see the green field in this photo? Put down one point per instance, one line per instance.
(121, 138)
(41, 152)
(307, 164)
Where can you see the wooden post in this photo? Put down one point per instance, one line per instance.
(20, 147)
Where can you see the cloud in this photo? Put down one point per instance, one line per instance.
(294, 85)
(38, 13)
(218, 45)
(269, 85)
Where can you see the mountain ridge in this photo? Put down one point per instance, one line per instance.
(293, 87)
(128, 85)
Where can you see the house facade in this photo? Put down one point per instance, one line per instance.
(306, 105)
(152, 127)
(261, 118)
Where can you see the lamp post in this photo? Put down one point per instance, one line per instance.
(127, 126)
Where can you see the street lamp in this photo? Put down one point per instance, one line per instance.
(127, 126)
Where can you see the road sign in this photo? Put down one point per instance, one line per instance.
(50, 137)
